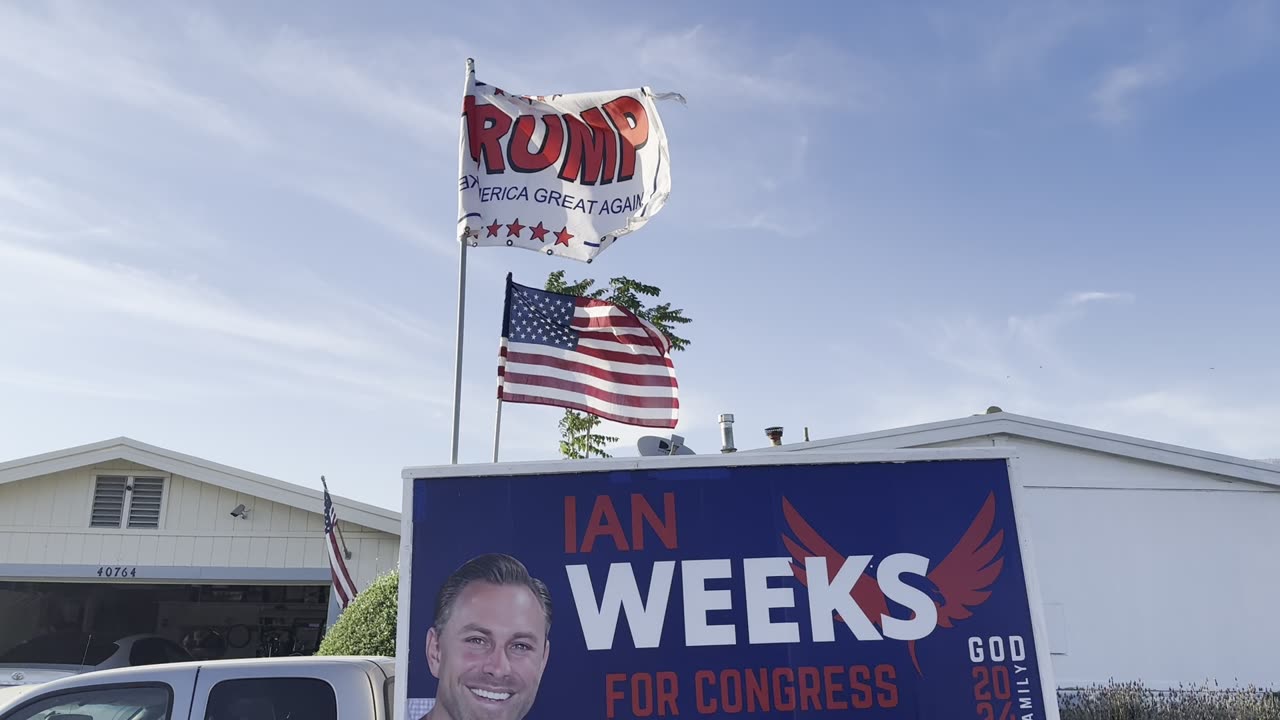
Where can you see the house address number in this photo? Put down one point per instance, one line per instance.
(117, 571)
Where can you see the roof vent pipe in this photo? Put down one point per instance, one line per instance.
(775, 435)
(726, 433)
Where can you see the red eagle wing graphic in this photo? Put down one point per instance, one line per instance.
(970, 568)
(963, 576)
(808, 543)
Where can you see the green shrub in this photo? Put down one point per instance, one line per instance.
(1133, 701)
(368, 625)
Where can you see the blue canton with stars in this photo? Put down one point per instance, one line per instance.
(538, 316)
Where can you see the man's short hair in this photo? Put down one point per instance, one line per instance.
(493, 568)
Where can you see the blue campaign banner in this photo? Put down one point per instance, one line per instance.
(771, 589)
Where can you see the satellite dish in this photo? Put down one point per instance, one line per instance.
(654, 446)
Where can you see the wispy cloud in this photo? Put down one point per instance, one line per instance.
(790, 228)
(1020, 42)
(1180, 53)
(44, 383)
(703, 63)
(87, 210)
(1022, 354)
(83, 55)
(1118, 93)
(1191, 417)
(1010, 43)
(350, 350)
(41, 209)
(1028, 365)
(114, 288)
(381, 83)
(376, 205)
(1080, 298)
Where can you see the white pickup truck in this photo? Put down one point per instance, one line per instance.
(280, 688)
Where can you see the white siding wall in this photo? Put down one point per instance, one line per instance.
(45, 520)
(1150, 572)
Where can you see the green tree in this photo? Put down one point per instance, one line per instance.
(368, 624)
(578, 436)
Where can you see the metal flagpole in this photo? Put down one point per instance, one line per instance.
(462, 279)
(457, 367)
(502, 361)
(497, 429)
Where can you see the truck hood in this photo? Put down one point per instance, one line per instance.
(10, 694)
(21, 675)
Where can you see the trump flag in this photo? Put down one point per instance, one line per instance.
(587, 355)
(563, 174)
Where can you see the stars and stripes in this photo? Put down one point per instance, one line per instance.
(343, 586)
(586, 355)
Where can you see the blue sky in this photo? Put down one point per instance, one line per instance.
(226, 229)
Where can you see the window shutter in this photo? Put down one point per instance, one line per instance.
(108, 501)
(144, 505)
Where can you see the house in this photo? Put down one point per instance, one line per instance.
(1157, 563)
(120, 537)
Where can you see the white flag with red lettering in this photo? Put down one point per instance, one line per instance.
(561, 174)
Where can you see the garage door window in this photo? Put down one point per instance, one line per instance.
(127, 501)
(141, 702)
(298, 698)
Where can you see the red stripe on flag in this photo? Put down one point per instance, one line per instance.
(343, 600)
(600, 354)
(582, 368)
(592, 391)
(630, 340)
(580, 407)
(619, 316)
(606, 321)
(341, 569)
(626, 357)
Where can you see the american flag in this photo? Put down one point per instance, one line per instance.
(342, 583)
(586, 355)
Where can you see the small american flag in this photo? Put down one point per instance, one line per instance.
(342, 583)
(586, 355)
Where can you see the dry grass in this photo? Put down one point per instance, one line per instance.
(1132, 701)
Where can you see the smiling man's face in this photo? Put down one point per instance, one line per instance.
(490, 654)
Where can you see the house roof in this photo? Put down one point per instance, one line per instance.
(123, 448)
(1010, 424)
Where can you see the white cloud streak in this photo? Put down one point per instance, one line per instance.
(117, 289)
(1118, 93)
(377, 206)
(296, 64)
(81, 55)
(1193, 418)
(1081, 298)
(705, 64)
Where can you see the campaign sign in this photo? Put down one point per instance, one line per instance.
(771, 586)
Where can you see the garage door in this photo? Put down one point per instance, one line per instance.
(209, 621)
